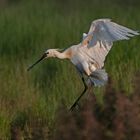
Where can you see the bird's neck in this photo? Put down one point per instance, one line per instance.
(63, 55)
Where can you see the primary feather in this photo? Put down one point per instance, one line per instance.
(107, 31)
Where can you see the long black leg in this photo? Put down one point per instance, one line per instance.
(85, 89)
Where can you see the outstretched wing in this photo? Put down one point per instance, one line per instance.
(100, 38)
(107, 31)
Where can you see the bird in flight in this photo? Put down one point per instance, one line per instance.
(89, 55)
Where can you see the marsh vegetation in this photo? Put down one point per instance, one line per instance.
(31, 102)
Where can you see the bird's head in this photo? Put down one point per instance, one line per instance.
(51, 52)
(48, 53)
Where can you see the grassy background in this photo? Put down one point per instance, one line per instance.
(27, 29)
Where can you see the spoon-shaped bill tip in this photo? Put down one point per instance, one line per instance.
(30, 67)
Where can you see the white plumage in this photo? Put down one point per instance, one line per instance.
(89, 55)
(92, 51)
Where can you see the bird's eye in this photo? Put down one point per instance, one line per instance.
(47, 53)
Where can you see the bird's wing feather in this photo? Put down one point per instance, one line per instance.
(100, 38)
(107, 31)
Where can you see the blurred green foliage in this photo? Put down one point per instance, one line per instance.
(28, 28)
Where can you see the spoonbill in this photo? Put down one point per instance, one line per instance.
(89, 55)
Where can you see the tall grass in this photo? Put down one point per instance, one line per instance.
(27, 29)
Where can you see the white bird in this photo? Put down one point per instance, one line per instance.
(89, 55)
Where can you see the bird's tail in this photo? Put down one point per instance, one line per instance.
(99, 77)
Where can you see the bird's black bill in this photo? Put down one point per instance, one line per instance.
(36, 62)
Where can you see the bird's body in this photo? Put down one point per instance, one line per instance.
(89, 55)
(84, 60)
